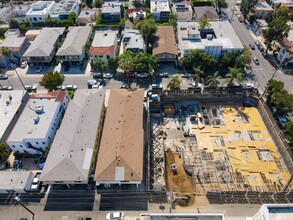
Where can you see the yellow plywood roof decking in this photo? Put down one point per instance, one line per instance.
(247, 145)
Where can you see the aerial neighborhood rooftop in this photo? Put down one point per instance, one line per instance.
(146, 110)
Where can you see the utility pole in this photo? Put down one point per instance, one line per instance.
(19, 79)
(17, 199)
(269, 80)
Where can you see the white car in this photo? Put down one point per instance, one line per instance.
(61, 87)
(39, 69)
(23, 64)
(115, 216)
(185, 75)
(249, 85)
(6, 88)
(157, 86)
(71, 87)
(31, 87)
(108, 76)
(142, 75)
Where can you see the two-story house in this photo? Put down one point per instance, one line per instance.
(64, 8)
(87, 15)
(40, 11)
(285, 55)
(73, 48)
(19, 12)
(37, 124)
(183, 11)
(5, 14)
(43, 48)
(160, 10)
(133, 41)
(112, 12)
(104, 45)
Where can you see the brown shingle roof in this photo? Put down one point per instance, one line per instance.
(166, 41)
(122, 138)
(287, 44)
(208, 11)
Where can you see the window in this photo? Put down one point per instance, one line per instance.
(108, 57)
(40, 18)
(21, 146)
(13, 146)
(43, 142)
(37, 142)
(35, 19)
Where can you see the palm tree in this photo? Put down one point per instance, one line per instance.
(235, 74)
(204, 23)
(99, 65)
(213, 79)
(126, 63)
(174, 83)
(198, 75)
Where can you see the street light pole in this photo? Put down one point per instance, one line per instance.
(19, 79)
(17, 199)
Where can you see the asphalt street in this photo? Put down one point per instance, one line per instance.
(263, 72)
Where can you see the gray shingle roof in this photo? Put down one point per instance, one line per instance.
(44, 43)
(71, 152)
(75, 41)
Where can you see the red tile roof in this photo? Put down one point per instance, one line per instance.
(58, 95)
(99, 51)
(287, 44)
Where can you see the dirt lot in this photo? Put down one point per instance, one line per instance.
(181, 183)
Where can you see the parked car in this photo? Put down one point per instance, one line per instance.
(256, 61)
(3, 76)
(23, 64)
(185, 75)
(31, 87)
(157, 86)
(71, 87)
(252, 46)
(164, 75)
(93, 84)
(61, 87)
(282, 120)
(142, 75)
(12, 65)
(39, 69)
(124, 86)
(108, 76)
(97, 75)
(115, 216)
(6, 88)
(249, 85)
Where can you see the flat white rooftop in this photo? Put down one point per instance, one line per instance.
(8, 107)
(185, 216)
(33, 123)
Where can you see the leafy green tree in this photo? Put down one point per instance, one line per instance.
(225, 61)
(174, 83)
(197, 75)
(98, 3)
(204, 22)
(6, 52)
(289, 131)
(14, 24)
(113, 63)
(247, 6)
(4, 151)
(99, 66)
(145, 62)
(274, 86)
(283, 101)
(246, 55)
(235, 74)
(221, 4)
(126, 61)
(147, 28)
(89, 3)
(52, 80)
(278, 27)
(213, 79)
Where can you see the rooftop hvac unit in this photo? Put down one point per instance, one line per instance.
(209, 36)
(39, 109)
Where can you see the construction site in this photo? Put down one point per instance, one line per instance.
(217, 150)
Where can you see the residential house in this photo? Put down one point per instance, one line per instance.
(37, 124)
(183, 11)
(285, 55)
(63, 8)
(216, 40)
(262, 10)
(160, 10)
(39, 11)
(165, 47)
(259, 25)
(88, 15)
(112, 11)
(74, 149)
(104, 45)
(15, 181)
(18, 45)
(73, 48)
(136, 14)
(5, 14)
(42, 50)
(121, 154)
(11, 105)
(20, 11)
(206, 11)
(132, 41)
